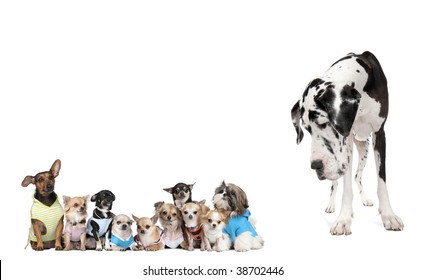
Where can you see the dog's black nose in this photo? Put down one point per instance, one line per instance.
(214, 225)
(49, 188)
(317, 165)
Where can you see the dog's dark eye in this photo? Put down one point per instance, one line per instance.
(209, 220)
(129, 223)
(118, 222)
(147, 226)
(41, 180)
(164, 212)
(50, 177)
(185, 212)
(139, 227)
(75, 205)
(195, 212)
(322, 126)
(174, 214)
(221, 191)
(218, 222)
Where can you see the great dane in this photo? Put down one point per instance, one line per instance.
(344, 107)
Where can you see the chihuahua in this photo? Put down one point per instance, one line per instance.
(213, 223)
(171, 220)
(181, 192)
(75, 217)
(192, 213)
(100, 223)
(149, 237)
(121, 237)
(47, 215)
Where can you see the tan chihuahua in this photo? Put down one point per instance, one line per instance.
(75, 217)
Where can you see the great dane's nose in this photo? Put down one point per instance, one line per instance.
(317, 165)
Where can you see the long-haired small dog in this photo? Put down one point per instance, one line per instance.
(230, 197)
(149, 236)
(171, 220)
(192, 214)
(121, 237)
(75, 217)
(213, 223)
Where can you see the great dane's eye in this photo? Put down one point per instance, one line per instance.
(323, 125)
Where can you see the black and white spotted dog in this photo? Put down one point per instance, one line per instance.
(344, 107)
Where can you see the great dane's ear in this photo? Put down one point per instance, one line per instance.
(341, 115)
(296, 115)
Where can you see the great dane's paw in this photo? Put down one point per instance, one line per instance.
(392, 222)
(341, 227)
(330, 208)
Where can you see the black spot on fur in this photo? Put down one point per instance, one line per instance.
(316, 83)
(328, 145)
(344, 58)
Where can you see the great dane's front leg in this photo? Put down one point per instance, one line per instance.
(343, 223)
(390, 220)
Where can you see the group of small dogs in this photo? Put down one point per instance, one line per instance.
(185, 223)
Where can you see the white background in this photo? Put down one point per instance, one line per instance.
(136, 96)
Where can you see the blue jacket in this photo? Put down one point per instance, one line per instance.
(239, 224)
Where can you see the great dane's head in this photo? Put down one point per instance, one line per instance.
(327, 111)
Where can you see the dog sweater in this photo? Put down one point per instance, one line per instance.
(239, 224)
(195, 232)
(103, 225)
(74, 232)
(173, 243)
(49, 216)
(116, 240)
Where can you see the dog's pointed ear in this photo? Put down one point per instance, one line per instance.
(28, 180)
(169, 190)
(191, 186)
(66, 199)
(154, 219)
(223, 184)
(87, 198)
(56, 167)
(296, 115)
(202, 202)
(342, 118)
(135, 218)
(93, 198)
(158, 205)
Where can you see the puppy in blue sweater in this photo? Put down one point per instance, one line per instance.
(230, 197)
